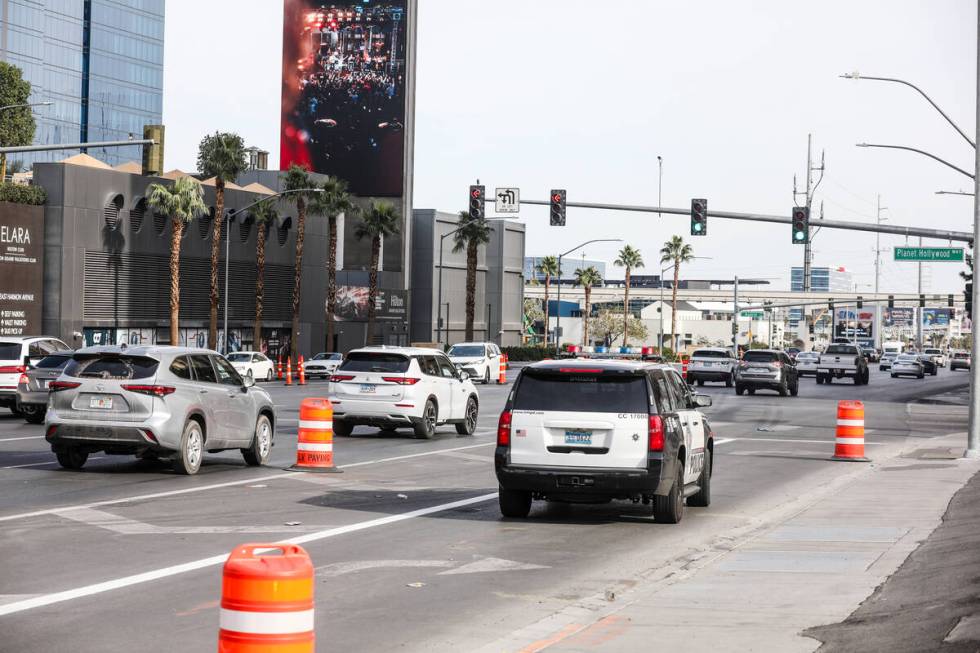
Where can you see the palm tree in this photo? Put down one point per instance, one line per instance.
(337, 201)
(264, 214)
(221, 156)
(549, 268)
(297, 178)
(678, 251)
(470, 234)
(183, 202)
(630, 259)
(380, 221)
(587, 278)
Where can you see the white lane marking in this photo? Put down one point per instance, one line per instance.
(50, 462)
(29, 437)
(722, 440)
(342, 568)
(491, 565)
(791, 440)
(125, 526)
(166, 572)
(416, 455)
(472, 457)
(266, 623)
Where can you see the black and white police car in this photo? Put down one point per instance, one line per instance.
(589, 431)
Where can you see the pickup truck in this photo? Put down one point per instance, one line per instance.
(839, 361)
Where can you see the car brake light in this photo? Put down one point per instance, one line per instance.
(341, 377)
(580, 370)
(150, 436)
(655, 436)
(23, 380)
(154, 390)
(13, 369)
(777, 364)
(503, 429)
(400, 380)
(50, 431)
(55, 386)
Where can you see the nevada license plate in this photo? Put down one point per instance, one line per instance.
(759, 370)
(578, 437)
(100, 402)
(368, 389)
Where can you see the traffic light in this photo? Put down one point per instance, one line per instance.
(860, 301)
(891, 301)
(949, 301)
(968, 294)
(801, 225)
(558, 208)
(813, 329)
(830, 305)
(477, 202)
(922, 301)
(699, 217)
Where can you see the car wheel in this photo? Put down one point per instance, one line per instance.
(751, 391)
(268, 375)
(486, 376)
(468, 425)
(921, 375)
(670, 509)
(188, 458)
(934, 372)
(425, 426)
(894, 376)
(72, 458)
(703, 497)
(819, 379)
(700, 383)
(33, 413)
(343, 429)
(739, 390)
(794, 389)
(783, 389)
(261, 447)
(729, 382)
(515, 504)
(881, 368)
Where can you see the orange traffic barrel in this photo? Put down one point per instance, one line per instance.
(289, 370)
(849, 443)
(684, 360)
(267, 600)
(314, 448)
(502, 379)
(279, 367)
(301, 369)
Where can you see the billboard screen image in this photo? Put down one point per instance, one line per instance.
(899, 317)
(352, 303)
(343, 94)
(937, 317)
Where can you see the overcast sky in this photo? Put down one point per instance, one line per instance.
(581, 95)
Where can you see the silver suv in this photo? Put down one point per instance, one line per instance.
(156, 402)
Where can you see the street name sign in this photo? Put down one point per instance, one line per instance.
(508, 200)
(930, 254)
(755, 315)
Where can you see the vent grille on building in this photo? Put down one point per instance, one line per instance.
(204, 223)
(136, 215)
(244, 229)
(111, 211)
(283, 232)
(159, 222)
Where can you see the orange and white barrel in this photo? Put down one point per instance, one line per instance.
(314, 446)
(849, 442)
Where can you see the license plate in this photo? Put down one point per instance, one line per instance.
(42, 384)
(578, 437)
(758, 370)
(837, 371)
(368, 389)
(100, 402)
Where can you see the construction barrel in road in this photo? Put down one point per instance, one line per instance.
(267, 600)
(289, 370)
(301, 369)
(849, 445)
(684, 361)
(314, 447)
(502, 379)
(279, 367)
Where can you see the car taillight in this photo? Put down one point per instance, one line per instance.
(341, 377)
(50, 431)
(154, 390)
(580, 370)
(13, 369)
(503, 429)
(400, 380)
(777, 364)
(655, 435)
(23, 380)
(56, 386)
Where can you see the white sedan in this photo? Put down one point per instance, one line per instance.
(323, 364)
(252, 365)
(806, 362)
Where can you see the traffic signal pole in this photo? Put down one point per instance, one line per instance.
(973, 432)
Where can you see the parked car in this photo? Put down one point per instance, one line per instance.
(323, 364)
(395, 387)
(17, 355)
(960, 360)
(886, 360)
(481, 360)
(712, 364)
(591, 431)
(32, 388)
(938, 355)
(840, 361)
(157, 402)
(929, 364)
(806, 363)
(908, 365)
(253, 365)
(767, 369)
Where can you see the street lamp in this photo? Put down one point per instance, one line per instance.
(560, 257)
(953, 192)
(924, 153)
(660, 338)
(231, 215)
(660, 184)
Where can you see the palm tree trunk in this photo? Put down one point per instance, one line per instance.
(547, 287)
(178, 231)
(626, 310)
(372, 287)
(673, 308)
(219, 213)
(259, 285)
(331, 278)
(471, 250)
(297, 273)
(585, 317)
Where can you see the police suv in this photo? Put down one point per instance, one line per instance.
(589, 431)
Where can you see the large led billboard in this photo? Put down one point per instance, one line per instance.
(343, 91)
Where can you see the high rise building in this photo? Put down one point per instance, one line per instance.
(100, 62)
(822, 280)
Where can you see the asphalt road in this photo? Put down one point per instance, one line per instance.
(410, 548)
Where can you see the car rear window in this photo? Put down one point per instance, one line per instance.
(582, 393)
(961, 355)
(760, 356)
(467, 351)
(933, 351)
(112, 367)
(53, 362)
(9, 351)
(707, 353)
(375, 362)
(840, 349)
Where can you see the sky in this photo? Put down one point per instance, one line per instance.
(585, 96)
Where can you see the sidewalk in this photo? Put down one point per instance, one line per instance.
(811, 568)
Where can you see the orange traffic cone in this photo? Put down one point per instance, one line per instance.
(503, 371)
(849, 445)
(279, 367)
(301, 369)
(314, 448)
(289, 370)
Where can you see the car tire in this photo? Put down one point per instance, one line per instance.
(729, 382)
(188, 459)
(33, 413)
(72, 458)
(261, 448)
(819, 379)
(515, 504)
(425, 426)
(343, 429)
(468, 425)
(934, 372)
(486, 376)
(794, 389)
(703, 497)
(783, 388)
(268, 375)
(894, 376)
(700, 383)
(739, 390)
(751, 391)
(669, 509)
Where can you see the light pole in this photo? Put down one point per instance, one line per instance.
(558, 300)
(660, 184)
(3, 158)
(231, 215)
(918, 151)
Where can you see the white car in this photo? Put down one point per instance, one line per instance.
(253, 365)
(937, 355)
(806, 362)
(481, 360)
(712, 364)
(17, 355)
(323, 364)
(908, 365)
(594, 430)
(398, 387)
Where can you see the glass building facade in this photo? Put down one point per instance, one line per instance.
(100, 63)
(822, 280)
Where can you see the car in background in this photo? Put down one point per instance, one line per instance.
(870, 354)
(793, 352)
(323, 364)
(17, 355)
(252, 365)
(768, 369)
(806, 363)
(396, 387)
(908, 365)
(960, 360)
(938, 356)
(928, 363)
(157, 402)
(887, 359)
(840, 361)
(481, 360)
(712, 364)
(32, 388)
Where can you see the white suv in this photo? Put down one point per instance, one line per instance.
(481, 360)
(17, 355)
(712, 364)
(393, 387)
(594, 430)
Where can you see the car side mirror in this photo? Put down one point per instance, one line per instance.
(464, 376)
(248, 383)
(702, 401)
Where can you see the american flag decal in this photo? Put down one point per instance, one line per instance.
(522, 433)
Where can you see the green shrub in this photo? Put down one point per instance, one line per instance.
(528, 354)
(20, 194)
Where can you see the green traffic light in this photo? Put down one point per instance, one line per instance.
(697, 226)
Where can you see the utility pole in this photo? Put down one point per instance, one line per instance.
(807, 194)
(879, 220)
(918, 309)
(735, 321)
(973, 431)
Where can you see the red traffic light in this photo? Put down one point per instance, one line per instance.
(476, 192)
(556, 197)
